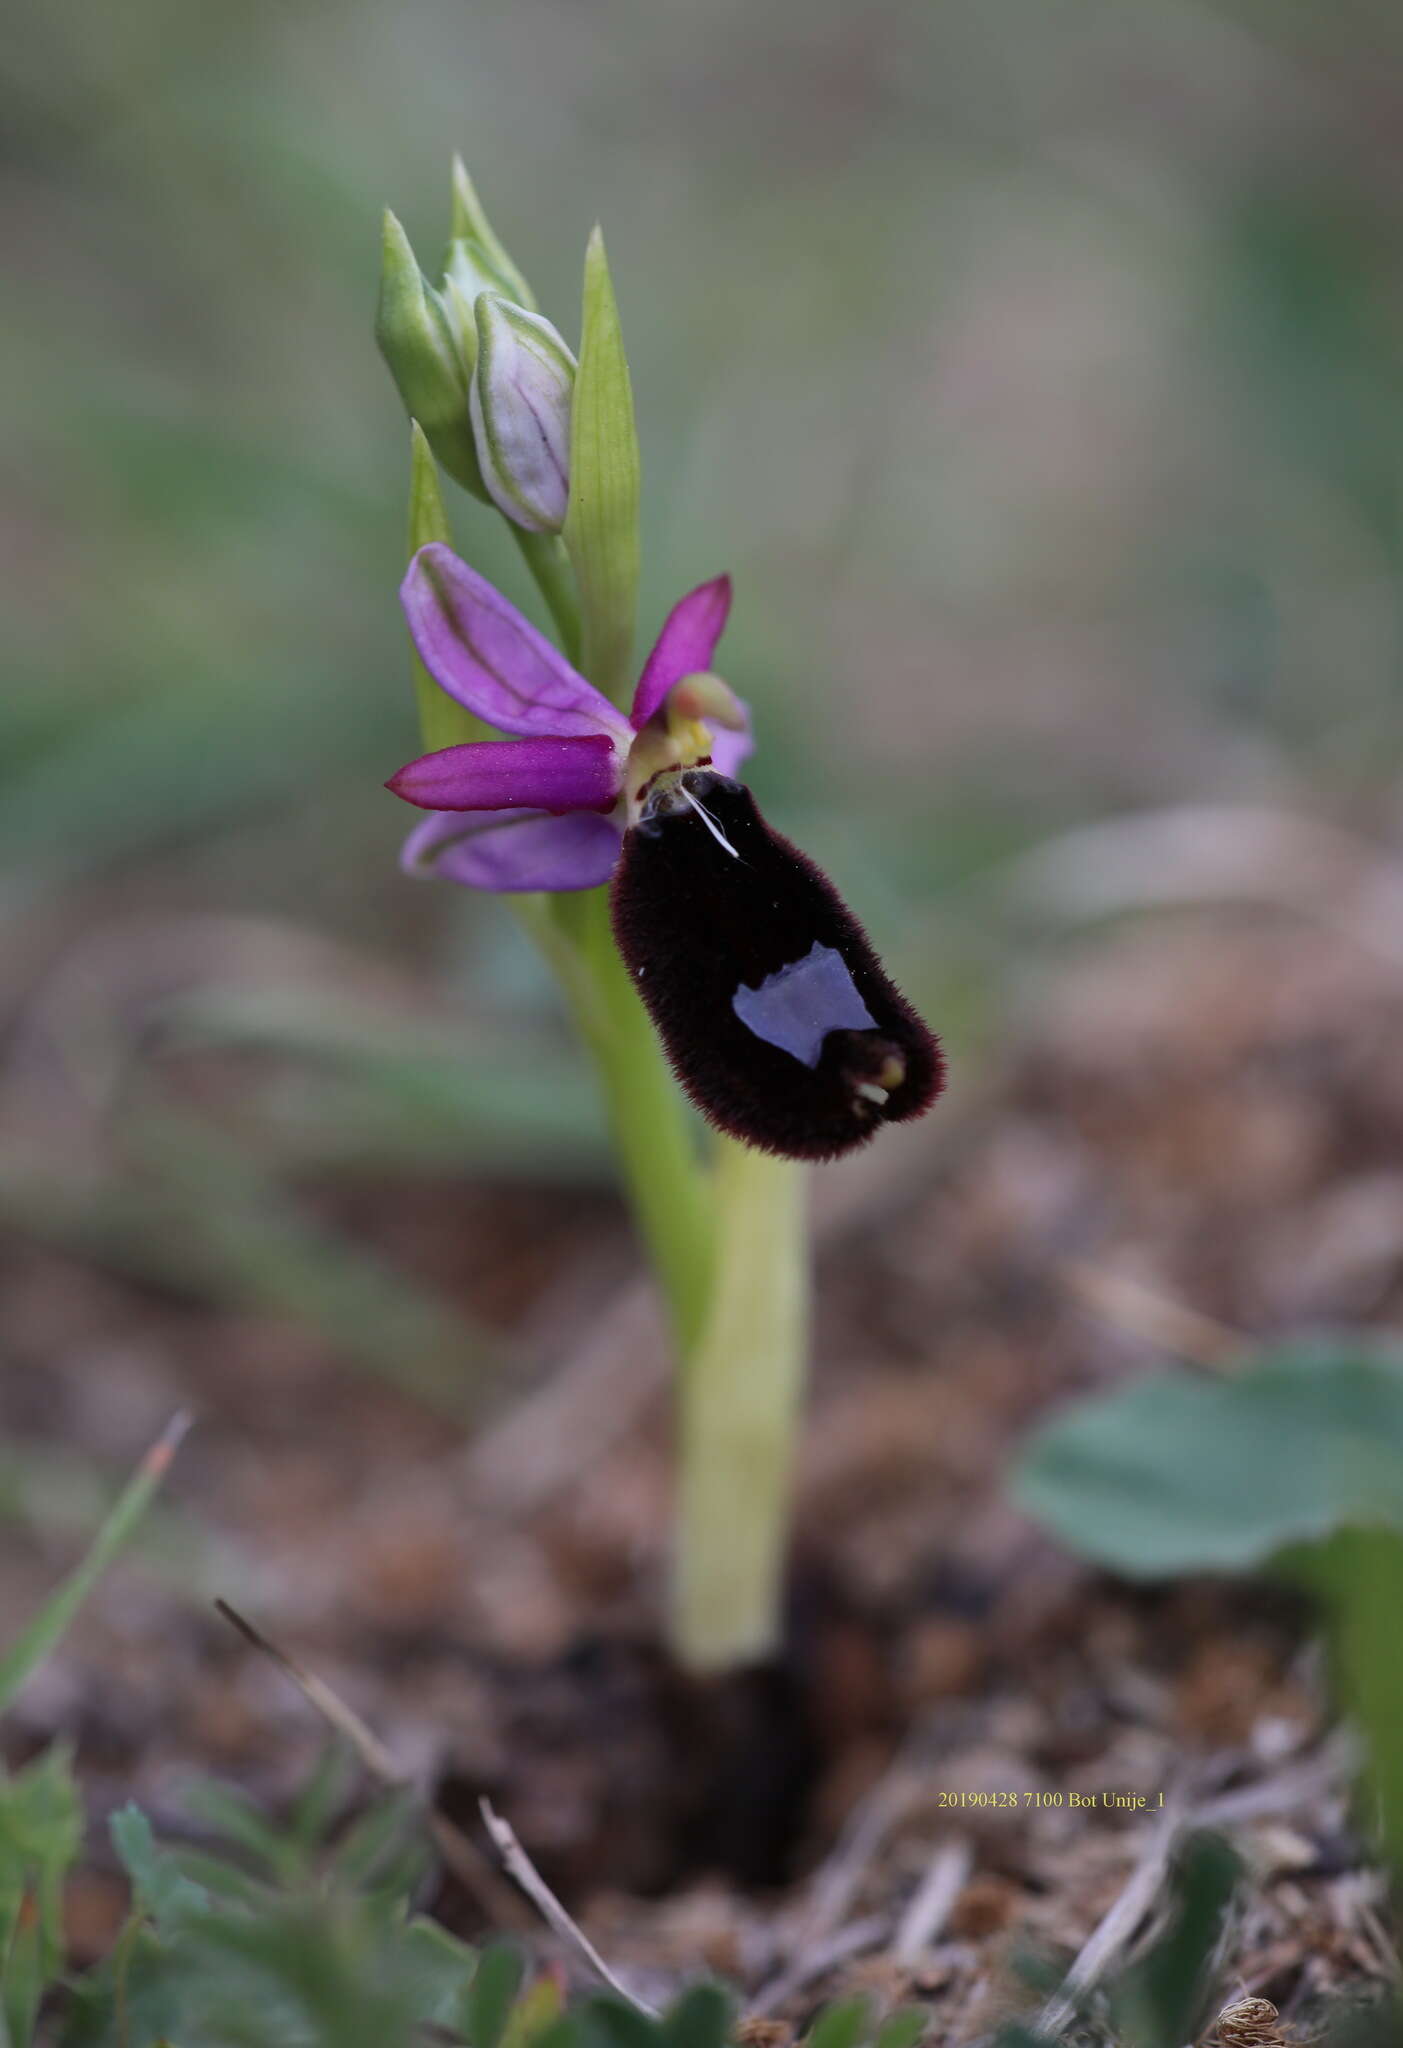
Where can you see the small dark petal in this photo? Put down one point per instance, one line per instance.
(772, 1006)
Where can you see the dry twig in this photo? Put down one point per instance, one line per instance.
(850, 1940)
(930, 1905)
(1153, 1318)
(522, 1871)
(1119, 1923)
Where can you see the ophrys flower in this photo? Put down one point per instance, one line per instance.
(774, 1010)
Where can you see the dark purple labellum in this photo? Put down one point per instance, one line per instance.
(764, 988)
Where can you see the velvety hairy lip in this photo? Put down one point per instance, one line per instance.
(778, 1018)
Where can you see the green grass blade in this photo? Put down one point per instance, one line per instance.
(34, 1643)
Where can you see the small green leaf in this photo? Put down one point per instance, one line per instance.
(322, 1797)
(1159, 2002)
(231, 1814)
(382, 1846)
(34, 1643)
(902, 2028)
(609, 2023)
(840, 2025)
(1175, 1474)
(601, 524)
(488, 1999)
(438, 1969)
(160, 1887)
(537, 2010)
(26, 1974)
(41, 1828)
(701, 2018)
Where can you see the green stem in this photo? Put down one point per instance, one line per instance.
(545, 556)
(658, 1158)
(740, 1396)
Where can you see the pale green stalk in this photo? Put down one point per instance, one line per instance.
(663, 1175)
(738, 1416)
(544, 555)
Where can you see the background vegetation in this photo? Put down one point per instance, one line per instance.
(1038, 374)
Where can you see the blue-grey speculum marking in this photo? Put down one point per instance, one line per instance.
(797, 1007)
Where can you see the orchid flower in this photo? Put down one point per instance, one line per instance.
(775, 1012)
(547, 808)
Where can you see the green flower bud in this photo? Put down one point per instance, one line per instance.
(417, 342)
(522, 386)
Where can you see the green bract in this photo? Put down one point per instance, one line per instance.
(601, 525)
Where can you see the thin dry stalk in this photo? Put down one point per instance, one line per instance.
(522, 1871)
(1118, 1924)
(932, 1902)
(1153, 1318)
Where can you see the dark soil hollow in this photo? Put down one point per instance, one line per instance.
(625, 1773)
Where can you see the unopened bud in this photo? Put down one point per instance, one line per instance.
(522, 386)
(415, 338)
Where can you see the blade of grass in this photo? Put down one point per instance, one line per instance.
(34, 1643)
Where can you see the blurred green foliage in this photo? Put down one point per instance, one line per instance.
(1037, 374)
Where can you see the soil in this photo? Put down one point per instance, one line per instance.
(1192, 1142)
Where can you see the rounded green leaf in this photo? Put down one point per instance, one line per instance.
(1180, 1474)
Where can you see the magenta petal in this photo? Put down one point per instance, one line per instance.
(684, 646)
(500, 775)
(481, 650)
(514, 850)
